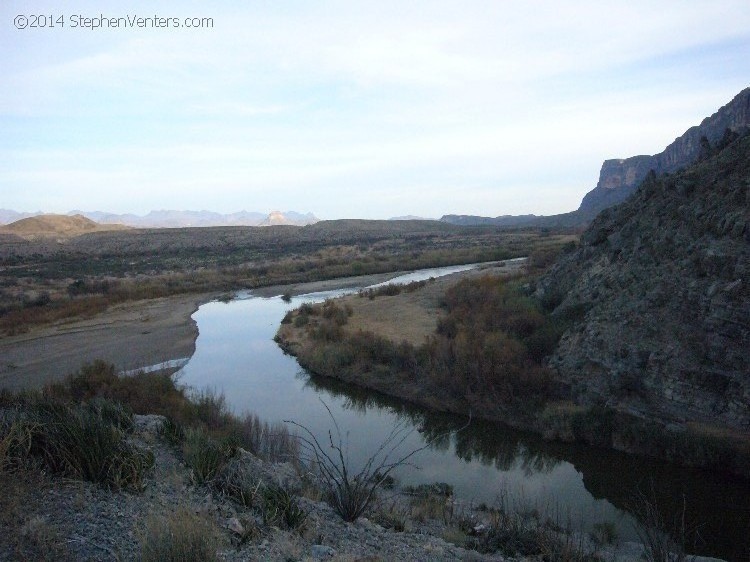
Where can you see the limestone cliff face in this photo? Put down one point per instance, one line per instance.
(660, 293)
(618, 179)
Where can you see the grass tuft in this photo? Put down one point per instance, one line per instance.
(205, 455)
(181, 537)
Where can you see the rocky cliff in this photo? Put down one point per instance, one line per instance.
(618, 179)
(659, 291)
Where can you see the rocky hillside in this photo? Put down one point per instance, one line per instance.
(660, 290)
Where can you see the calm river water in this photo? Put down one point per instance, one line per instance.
(235, 354)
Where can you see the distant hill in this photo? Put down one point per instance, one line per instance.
(410, 218)
(290, 217)
(505, 220)
(8, 216)
(56, 225)
(619, 178)
(179, 219)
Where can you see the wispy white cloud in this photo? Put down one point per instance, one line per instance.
(496, 101)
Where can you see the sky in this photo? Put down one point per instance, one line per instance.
(350, 109)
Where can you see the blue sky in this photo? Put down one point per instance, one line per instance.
(353, 109)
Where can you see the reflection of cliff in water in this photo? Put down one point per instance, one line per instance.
(480, 441)
(713, 504)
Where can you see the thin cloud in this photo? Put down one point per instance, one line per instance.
(368, 102)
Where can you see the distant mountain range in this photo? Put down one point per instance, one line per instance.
(619, 178)
(179, 219)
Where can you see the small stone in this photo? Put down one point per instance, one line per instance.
(479, 529)
(734, 287)
(235, 526)
(322, 552)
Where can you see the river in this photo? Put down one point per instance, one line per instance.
(579, 486)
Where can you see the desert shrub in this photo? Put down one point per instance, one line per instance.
(141, 393)
(204, 454)
(173, 431)
(179, 537)
(208, 408)
(271, 442)
(392, 518)
(327, 332)
(664, 536)
(307, 309)
(92, 379)
(604, 533)
(235, 481)
(440, 489)
(491, 343)
(280, 508)
(86, 441)
(393, 289)
(518, 532)
(350, 492)
(334, 313)
(541, 258)
(15, 442)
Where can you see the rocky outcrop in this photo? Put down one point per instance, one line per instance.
(659, 296)
(618, 179)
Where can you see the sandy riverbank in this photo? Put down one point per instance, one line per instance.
(129, 335)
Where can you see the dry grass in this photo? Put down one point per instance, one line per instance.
(179, 537)
(408, 316)
(25, 535)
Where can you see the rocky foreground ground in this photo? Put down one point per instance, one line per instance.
(59, 519)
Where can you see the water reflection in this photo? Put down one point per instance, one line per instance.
(717, 506)
(236, 355)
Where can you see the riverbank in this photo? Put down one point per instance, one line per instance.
(465, 358)
(370, 340)
(69, 519)
(175, 488)
(130, 335)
